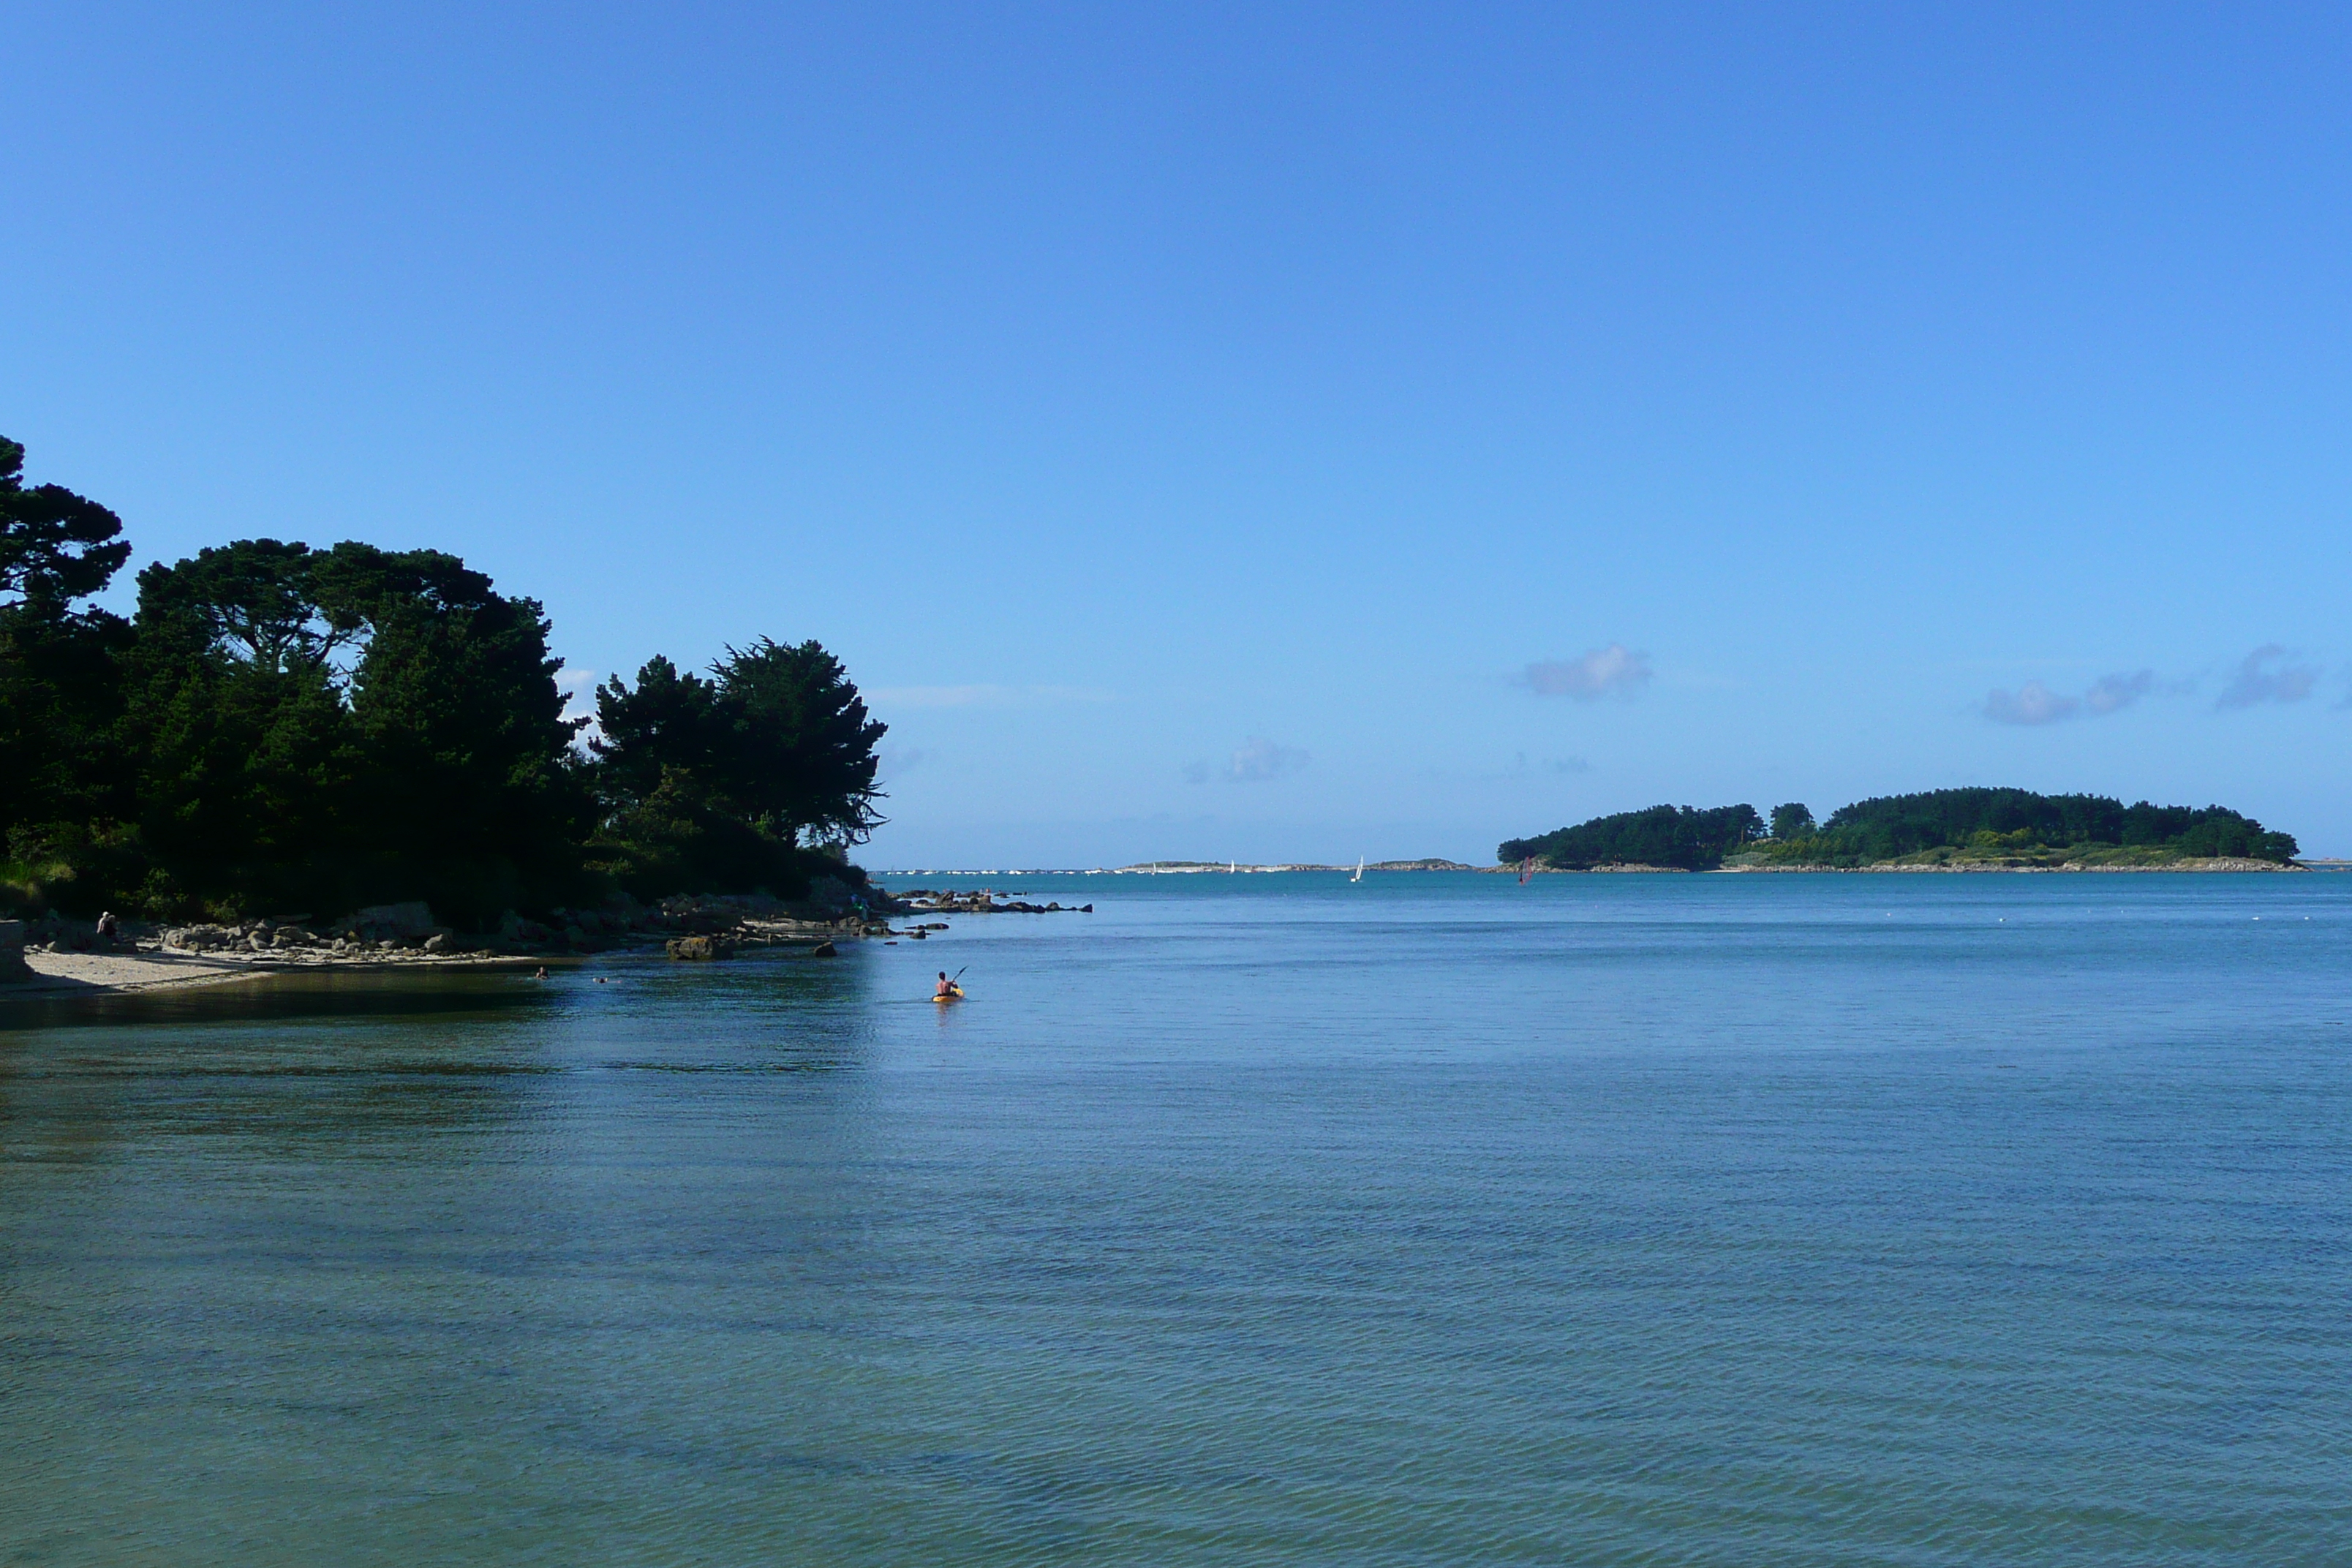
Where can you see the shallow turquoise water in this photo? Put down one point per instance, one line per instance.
(1250, 1220)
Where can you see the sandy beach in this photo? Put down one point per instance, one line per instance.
(68, 973)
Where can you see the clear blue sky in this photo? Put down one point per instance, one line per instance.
(1268, 430)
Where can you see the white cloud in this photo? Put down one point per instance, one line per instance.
(1260, 759)
(2266, 676)
(2110, 692)
(1602, 670)
(2035, 703)
(2032, 703)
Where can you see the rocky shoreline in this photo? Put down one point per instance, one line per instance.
(53, 952)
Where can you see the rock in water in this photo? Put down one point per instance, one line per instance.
(699, 947)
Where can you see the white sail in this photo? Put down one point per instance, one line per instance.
(1359, 871)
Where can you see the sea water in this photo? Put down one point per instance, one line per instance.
(1254, 1219)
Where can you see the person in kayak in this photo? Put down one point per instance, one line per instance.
(947, 987)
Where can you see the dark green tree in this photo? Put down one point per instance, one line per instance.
(55, 546)
(799, 752)
(61, 774)
(1794, 820)
(320, 728)
(722, 785)
(248, 760)
(668, 724)
(471, 794)
(1679, 836)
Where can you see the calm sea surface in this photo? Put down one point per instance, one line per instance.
(1251, 1220)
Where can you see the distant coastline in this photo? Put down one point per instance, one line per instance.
(2191, 865)
(1177, 868)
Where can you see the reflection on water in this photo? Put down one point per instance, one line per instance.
(1436, 1221)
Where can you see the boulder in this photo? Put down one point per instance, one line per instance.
(699, 947)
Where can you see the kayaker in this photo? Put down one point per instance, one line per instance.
(947, 986)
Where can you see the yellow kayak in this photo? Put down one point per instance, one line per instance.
(952, 994)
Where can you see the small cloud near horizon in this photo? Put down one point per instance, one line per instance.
(1260, 759)
(1522, 764)
(2266, 674)
(2036, 703)
(2032, 703)
(1601, 671)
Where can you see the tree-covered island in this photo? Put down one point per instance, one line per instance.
(1987, 828)
(282, 729)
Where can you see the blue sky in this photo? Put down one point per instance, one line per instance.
(1269, 431)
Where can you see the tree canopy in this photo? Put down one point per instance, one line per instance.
(1674, 835)
(55, 546)
(719, 783)
(59, 699)
(1887, 827)
(284, 728)
(1990, 822)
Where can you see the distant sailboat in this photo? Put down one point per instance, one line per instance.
(1359, 871)
(1526, 869)
(1232, 867)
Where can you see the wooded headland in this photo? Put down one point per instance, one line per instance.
(279, 728)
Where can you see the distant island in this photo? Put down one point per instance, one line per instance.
(1945, 829)
(1184, 868)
